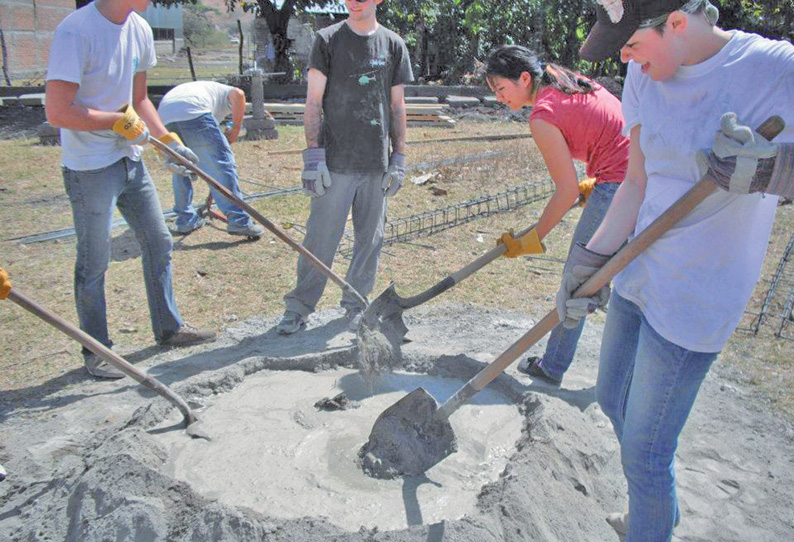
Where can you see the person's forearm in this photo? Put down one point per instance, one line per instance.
(148, 113)
(78, 117)
(312, 122)
(620, 220)
(558, 205)
(399, 127)
(237, 101)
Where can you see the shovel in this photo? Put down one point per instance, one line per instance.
(414, 433)
(324, 269)
(111, 357)
(387, 309)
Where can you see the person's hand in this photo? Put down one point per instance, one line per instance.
(529, 243)
(173, 142)
(585, 189)
(395, 175)
(5, 284)
(130, 127)
(315, 176)
(742, 161)
(581, 265)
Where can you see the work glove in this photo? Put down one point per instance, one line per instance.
(581, 265)
(5, 284)
(585, 189)
(315, 176)
(173, 142)
(130, 127)
(742, 161)
(395, 175)
(529, 243)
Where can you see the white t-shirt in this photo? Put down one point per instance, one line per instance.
(191, 100)
(694, 282)
(103, 58)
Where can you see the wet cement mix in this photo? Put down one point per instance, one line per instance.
(92, 460)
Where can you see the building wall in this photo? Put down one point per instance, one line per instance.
(28, 27)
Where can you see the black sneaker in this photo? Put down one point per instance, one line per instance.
(187, 335)
(532, 366)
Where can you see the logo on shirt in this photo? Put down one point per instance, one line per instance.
(135, 64)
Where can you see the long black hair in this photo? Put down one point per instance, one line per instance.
(510, 61)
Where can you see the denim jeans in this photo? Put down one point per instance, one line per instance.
(647, 386)
(324, 231)
(562, 342)
(204, 137)
(93, 194)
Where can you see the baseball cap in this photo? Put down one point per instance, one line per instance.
(617, 20)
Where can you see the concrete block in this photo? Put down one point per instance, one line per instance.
(32, 99)
(490, 101)
(463, 101)
(421, 99)
(9, 100)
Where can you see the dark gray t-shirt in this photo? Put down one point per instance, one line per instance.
(356, 105)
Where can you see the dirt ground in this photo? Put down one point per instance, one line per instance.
(88, 461)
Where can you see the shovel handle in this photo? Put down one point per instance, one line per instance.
(324, 269)
(461, 274)
(103, 352)
(769, 129)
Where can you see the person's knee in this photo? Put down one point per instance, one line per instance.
(645, 466)
(160, 244)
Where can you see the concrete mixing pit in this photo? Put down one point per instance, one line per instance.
(275, 452)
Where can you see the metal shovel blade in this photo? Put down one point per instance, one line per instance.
(387, 311)
(408, 438)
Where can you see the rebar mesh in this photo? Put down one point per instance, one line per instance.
(431, 222)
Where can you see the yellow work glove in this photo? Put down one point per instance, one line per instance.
(585, 189)
(131, 127)
(5, 284)
(529, 243)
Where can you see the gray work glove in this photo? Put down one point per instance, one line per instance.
(395, 175)
(581, 265)
(742, 161)
(315, 176)
(174, 143)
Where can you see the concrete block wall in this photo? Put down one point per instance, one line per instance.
(28, 27)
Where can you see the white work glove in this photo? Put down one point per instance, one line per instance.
(581, 265)
(742, 161)
(315, 176)
(173, 142)
(395, 175)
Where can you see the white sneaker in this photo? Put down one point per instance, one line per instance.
(290, 323)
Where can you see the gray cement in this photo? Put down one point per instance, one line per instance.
(88, 461)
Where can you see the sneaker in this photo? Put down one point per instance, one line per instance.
(620, 522)
(532, 366)
(187, 335)
(353, 317)
(100, 368)
(249, 230)
(290, 323)
(184, 230)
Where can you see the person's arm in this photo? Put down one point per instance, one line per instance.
(62, 112)
(145, 108)
(559, 161)
(237, 102)
(313, 113)
(399, 122)
(621, 218)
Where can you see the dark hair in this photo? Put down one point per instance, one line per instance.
(510, 61)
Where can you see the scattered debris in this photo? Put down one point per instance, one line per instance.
(339, 402)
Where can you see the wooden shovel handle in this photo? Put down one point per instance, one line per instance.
(769, 129)
(324, 269)
(103, 352)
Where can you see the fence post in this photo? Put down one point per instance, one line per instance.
(190, 63)
(240, 47)
(5, 58)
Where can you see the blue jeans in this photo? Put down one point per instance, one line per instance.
(562, 342)
(203, 136)
(647, 386)
(93, 194)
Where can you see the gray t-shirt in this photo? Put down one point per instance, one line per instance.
(356, 106)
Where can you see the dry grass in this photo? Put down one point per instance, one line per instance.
(219, 279)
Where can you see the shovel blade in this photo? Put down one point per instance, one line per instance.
(408, 438)
(387, 311)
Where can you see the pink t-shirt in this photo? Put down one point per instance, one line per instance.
(592, 125)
